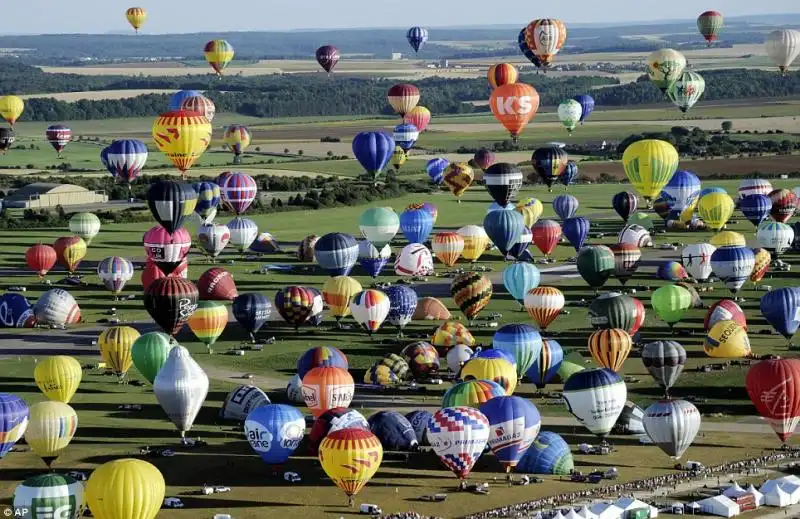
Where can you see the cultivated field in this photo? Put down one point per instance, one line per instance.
(96, 95)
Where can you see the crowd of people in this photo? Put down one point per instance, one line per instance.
(648, 485)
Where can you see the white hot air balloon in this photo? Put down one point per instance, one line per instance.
(457, 356)
(782, 47)
(635, 235)
(241, 401)
(115, 272)
(57, 307)
(775, 237)
(294, 390)
(243, 232)
(212, 238)
(50, 495)
(414, 260)
(672, 425)
(696, 259)
(596, 398)
(181, 387)
(458, 436)
(379, 225)
(370, 308)
(754, 186)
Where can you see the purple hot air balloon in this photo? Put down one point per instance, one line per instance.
(328, 56)
(238, 190)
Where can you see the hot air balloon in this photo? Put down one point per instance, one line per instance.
(251, 311)
(484, 158)
(447, 246)
(570, 113)
(754, 186)
(672, 425)
(696, 259)
(576, 231)
(570, 174)
(431, 309)
(503, 181)
(337, 253)
(475, 242)
(16, 311)
(178, 97)
(451, 333)
(350, 457)
(115, 272)
(784, 203)
(522, 342)
(115, 345)
(781, 308)
(681, 195)
(665, 66)
(544, 304)
(504, 229)
(783, 46)
(565, 206)
(405, 135)
(472, 393)
(436, 169)
(371, 259)
(514, 105)
(393, 430)
(149, 353)
(58, 136)
(57, 307)
(238, 191)
(403, 98)
(171, 203)
(686, 90)
(294, 304)
(212, 238)
(216, 284)
(58, 377)
(710, 24)
(208, 322)
(323, 356)
(587, 105)
(327, 387)
(471, 291)
(414, 260)
(243, 232)
(238, 138)
(627, 257)
(399, 158)
(70, 251)
(402, 305)
(549, 163)
(370, 308)
(50, 429)
(671, 303)
(167, 250)
(458, 177)
(183, 137)
(514, 424)
(418, 116)
(724, 310)
(218, 53)
(733, 265)
(520, 278)
(635, 235)
(125, 159)
(136, 16)
(596, 398)
(125, 489)
(457, 356)
(610, 347)
(422, 358)
(595, 264)
(519, 251)
(379, 225)
(671, 271)
(715, 209)
(338, 293)
(41, 258)
(170, 302)
(545, 37)
(49, 494)
(85, 226)
(775, 237)
(549, 454)
(373, 150)
(11, 108)
(502, 74)
(526, 51)
(612, 310)
(546, 366)
(327, 57)
(649, 165)
(625, 204)
(274, 431)
(664, 360)
(265, 243)
(181, 387)
(200, 104)
(755, 208)
(772, 387)
(545, 235)
(727, 339)
(6, 139)
(417, 36)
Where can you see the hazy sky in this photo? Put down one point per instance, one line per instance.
(98, 16)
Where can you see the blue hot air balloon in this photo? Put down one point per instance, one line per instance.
(252, 311)
(519, 251)
(15, 311)
(416, 225)
(126, 159)
(337, 253)
(733, 265)
(514, 423)
(405, 135)
(781, 307)
(321, 357)
(526, 51)
(521, 341)
(681, 192)
(371, 259)
(417, 36)
(576, 230)
(104, 160)
(570, 174)
(373, 150)
(587, 105)
(549, 454)
(13, 421)
(393, 430)
(419, 422)
(208, 198)
(755, 208)
(504, 229)
(519, 278)
(402, 304)
(178, 97)
(546, 365)
(494, 206)
(274, 431)
(709, 190)
(565, 206)
(435, 169)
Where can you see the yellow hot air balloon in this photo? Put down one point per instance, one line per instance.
(458, 177)
(399, 158)
(495, 369)
(476, 241)
(728, 239)
(447, 246)
(136, 17)
(182, 136)
(338, 293)
(761, 265)
(58, 377)
(610, 347)
(727, 339)
(208, 322)
(350, 457)
(125, 489)
(115, 346)
(715, 209)
(11, 108)
(649, 165)
(50, 429)
(218, 54)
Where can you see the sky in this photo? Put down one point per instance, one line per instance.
(170, 16)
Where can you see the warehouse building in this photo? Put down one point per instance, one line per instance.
(43, 195)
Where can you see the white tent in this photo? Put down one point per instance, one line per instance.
(586, 513)
(794, 480)
(758, 496)
(733, 491)
(572, 514)
(628, 503)
(790, 489)
(776, 496)
(558, 515)
(607, 511)
(719, 505)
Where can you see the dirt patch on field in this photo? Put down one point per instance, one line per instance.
(71, 97)
(703, 168)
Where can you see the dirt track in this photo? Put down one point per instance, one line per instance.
(735, 166)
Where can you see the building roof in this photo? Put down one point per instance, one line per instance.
(41, 188)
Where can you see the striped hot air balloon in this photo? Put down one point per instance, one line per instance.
(544, 304)
(403, 98)
(472, 393)
(447, 246)
(350, 457)
(502, 74)
(183, 137)
(200, 104)
(218, 54)
(471, 291)
(545, 367)
(294, 304)
(115, 272)
(208, 321)
(370, 308)
(610, 347)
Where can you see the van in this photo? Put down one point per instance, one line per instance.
(367, 508)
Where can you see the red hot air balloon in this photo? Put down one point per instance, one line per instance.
(774, 388)
(216, 284)
(784, 203)
(328, 57)
(403, 98)
(638, 319)
(546, 235)
(171, 302)
(152, 271)
(41, 258)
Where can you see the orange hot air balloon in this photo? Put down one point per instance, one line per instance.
(610, 347)
(70, 251)
(502, 74)
(419, 116)
(327, 387)
(514, 105)
(350, 457)
(447, 246)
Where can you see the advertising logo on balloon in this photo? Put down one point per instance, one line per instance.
(260, 439)
(776, 399)
(311, 396)
(340, 395)
(186, 308)
(291, 433)
(506, 105)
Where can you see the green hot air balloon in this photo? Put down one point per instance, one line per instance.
(379, 225)
(150, 352)
(612, 310)
(596, 264)
(567, 369)
(687, 90)
(670, 303)
(85, 225)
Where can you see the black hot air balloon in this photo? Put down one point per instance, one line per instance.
(549, 162)
(503, 180)
(171, 202)
(328, 57)
(170, 302)
(6, 139)
(625, 204)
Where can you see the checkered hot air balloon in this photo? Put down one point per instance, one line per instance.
(295, 304)
(238, 190)
(115, 272)
(458, 435)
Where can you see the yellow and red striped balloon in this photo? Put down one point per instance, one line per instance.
(218, 54)
(544, 304)
(208, 321)
(350, 457)
(182, 136)
(448, 247)
(610, 347)
(502, 74)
